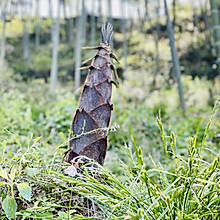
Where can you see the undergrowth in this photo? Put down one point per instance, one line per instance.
(36, 187)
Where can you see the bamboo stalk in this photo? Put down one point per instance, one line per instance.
(175, 58)
(216, 27)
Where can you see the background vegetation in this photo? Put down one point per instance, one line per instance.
(163, 155)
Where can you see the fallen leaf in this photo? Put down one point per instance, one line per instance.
(71, 171)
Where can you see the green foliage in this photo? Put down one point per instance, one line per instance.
(190, 190)
(157, 193)
(198, 61)
(9, 205)
(31, 171)
(136, 182)
(25, 191)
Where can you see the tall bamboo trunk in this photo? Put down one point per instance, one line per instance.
(174, 14)
(2, 45)
(207, 26)
(124, 30)
(141, 20)
(2, 55)
(109, 19)
(216, 27)
(78, 43)
(139, 23)
(84, 26)
(37, 28)
(70, 30)
(109, 2)
(157, 37)
(100, 16)
(54, 64)
(51, 19)
(26, 37)
(66, 19)
(93, 26)
(146, 16)
(70, 24)
(26, 48)
(175, 58)
(196, 18)
(91, 121)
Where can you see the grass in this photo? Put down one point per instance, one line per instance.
(190, 191)
(174, 174)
